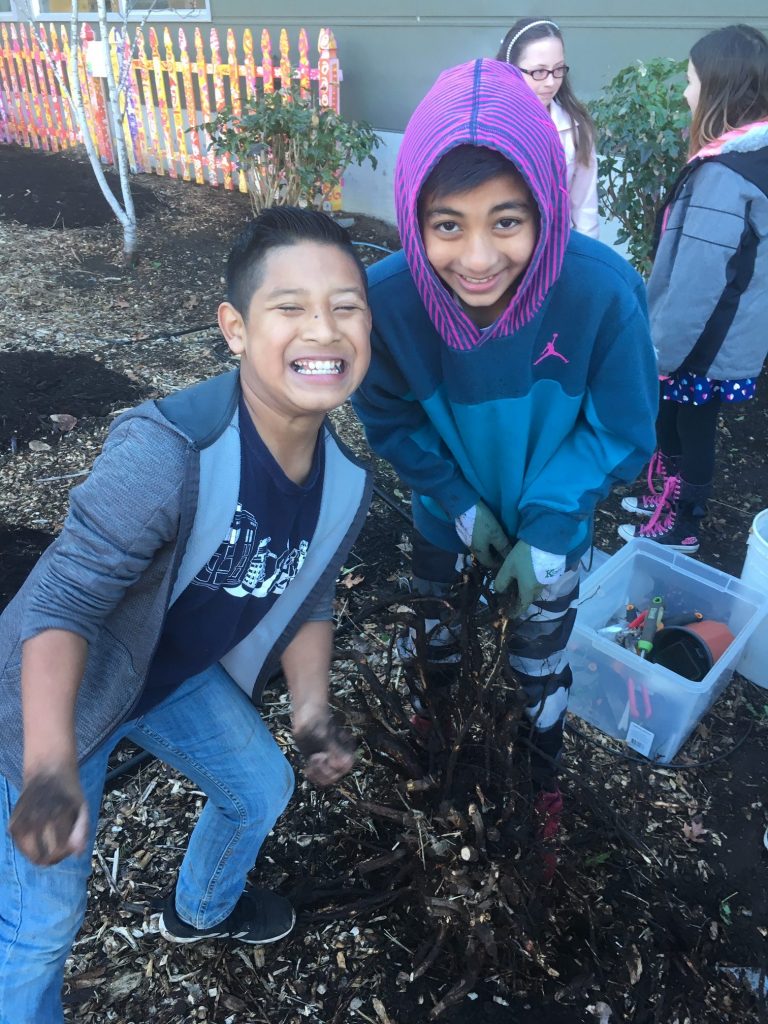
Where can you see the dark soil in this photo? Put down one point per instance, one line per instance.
(36, 385)
(20, 548)
(26, 195)
(630, 888)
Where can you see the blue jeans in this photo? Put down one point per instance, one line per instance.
(210, 731)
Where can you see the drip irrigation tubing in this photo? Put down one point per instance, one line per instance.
(199, 328)
(128, 766)
(373, 245)
(392, 503)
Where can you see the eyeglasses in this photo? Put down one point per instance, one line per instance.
(542, 74)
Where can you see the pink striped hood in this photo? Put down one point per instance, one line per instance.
(484, 103)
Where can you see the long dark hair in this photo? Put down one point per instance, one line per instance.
(529, 30)
(732, 65)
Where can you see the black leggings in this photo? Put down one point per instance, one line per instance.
(689, 431)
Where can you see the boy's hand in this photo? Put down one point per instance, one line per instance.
(50, 820)
(481, 531)
(326, 747)
(531, 569)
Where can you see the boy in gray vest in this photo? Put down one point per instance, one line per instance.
(198, 558)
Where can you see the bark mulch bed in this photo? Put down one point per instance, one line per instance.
(416, 879)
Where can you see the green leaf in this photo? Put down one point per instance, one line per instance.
(597, 859)
(640, 121)
(290, 150)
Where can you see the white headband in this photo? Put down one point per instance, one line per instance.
(517, 35)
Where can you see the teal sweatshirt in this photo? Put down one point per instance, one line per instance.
(540, 414)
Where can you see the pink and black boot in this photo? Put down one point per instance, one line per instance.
(661, 467)
(676, 521)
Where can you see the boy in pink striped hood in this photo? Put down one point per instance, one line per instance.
(513, 379)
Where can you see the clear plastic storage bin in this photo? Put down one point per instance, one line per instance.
(653, 709)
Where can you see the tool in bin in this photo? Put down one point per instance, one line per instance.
(653, 621)
(615, 631)
(628, 631)
(683, 619)
(638, 620)
(634, 711)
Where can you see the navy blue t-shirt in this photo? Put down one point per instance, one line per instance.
(265, 546)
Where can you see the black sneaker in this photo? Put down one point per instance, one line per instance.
(260, 916)
(676, 533)
(672, 524)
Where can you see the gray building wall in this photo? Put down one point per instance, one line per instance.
(391, 53)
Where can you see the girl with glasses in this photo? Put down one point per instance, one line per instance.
(708, 290)
(535, 47)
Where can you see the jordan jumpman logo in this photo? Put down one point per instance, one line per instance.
(549, 350)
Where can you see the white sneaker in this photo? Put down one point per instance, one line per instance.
(645, 505)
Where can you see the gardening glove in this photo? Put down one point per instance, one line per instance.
(327, 749)
(531, 569)
(482, 533)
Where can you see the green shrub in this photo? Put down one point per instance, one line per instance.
(291, 152)
(641, 120)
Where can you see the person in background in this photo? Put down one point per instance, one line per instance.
(708, 290)
(535, 47)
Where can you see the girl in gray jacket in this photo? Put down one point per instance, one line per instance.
(708, 291)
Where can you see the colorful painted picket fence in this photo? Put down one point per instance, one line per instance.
(164, 94)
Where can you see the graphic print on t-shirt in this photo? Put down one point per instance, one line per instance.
(263, 549)
(246, 566)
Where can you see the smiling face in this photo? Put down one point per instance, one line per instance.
(545, 53)
(305, 343)
(693, 89)
(481, 242)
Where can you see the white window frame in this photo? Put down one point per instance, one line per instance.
(200, 14)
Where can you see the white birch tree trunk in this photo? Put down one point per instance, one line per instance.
(125, 214)
(76, 98)
(128, 218)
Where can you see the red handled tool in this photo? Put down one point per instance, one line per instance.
(637, 622)
(634, 711)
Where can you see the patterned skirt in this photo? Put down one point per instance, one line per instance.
(693, 389)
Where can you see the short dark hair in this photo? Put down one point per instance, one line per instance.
(732, 65)
(274, 228)
(462, 169)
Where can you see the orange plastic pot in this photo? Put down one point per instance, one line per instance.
(692, 650)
